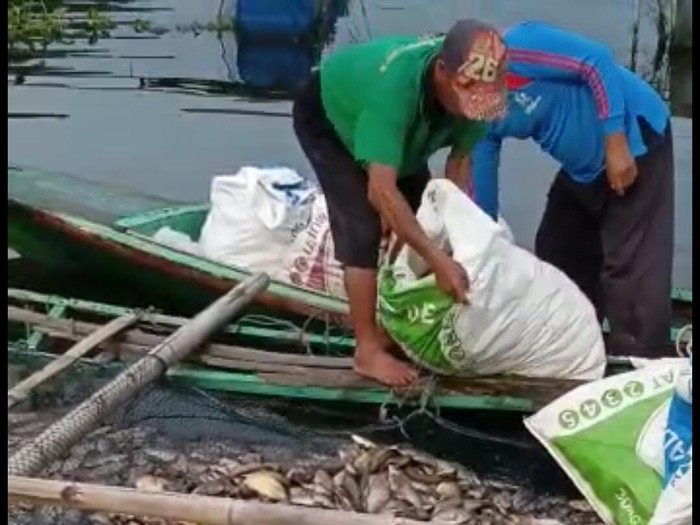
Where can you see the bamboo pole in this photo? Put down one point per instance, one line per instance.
(60, 436)
(203, 510)
(21, 391)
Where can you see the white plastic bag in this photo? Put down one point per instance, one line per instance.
(524, 316)
(310, 261)
(255, 216)
(175, 239)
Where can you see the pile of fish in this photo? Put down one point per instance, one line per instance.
(365, 477)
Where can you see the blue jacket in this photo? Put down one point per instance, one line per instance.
(567, 93)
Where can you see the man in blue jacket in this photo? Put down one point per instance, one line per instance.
(608, 223)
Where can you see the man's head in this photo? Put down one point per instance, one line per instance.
(470, 71)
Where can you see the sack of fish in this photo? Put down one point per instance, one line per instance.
(255, 216)
(626, 442)
(523, 315)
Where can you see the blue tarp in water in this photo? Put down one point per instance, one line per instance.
(275, 18)
(284, 65)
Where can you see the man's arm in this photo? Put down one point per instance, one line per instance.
(485, 163)
(387, 199)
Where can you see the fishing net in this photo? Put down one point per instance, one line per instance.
(166, 425)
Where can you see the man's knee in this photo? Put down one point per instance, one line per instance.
(357, 246)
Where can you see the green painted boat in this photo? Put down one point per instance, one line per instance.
(103, 234)
(257, 356)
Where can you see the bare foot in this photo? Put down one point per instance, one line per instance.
(373, 361)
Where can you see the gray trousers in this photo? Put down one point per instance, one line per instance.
(619, 250)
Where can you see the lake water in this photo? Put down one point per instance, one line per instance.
(162, 111)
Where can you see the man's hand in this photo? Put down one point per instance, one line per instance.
(397, 214)
(619, 163)
(451, 277)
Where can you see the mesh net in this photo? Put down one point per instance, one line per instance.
(180, 429)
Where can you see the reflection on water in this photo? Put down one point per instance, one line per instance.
(180, 91)
(268, 48)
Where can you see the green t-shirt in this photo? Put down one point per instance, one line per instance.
(373, 94)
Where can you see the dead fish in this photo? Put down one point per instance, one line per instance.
(476, 493)
(348, 454)
(502, 501)
(379, 458)
(346, 488)
(301, 496)
(445, 469)
(163, 456)
(456, 515)
(448, 490)
(253, 467)
(323, 483)
(424, 488)
(299, 476)
(216, 487)
(363, 442)
(323, 501)
(472, 505)
(361, 463)
(580, 505)
(377, 492)
(401, 488)
(418, 457)
(447, 504)
(180, 466)
(419, 474)
(267, 484)
(395, 507)
(150, 483)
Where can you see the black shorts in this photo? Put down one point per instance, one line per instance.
(355, 224)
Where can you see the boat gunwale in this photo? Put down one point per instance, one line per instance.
(127, 224)
(146, 244)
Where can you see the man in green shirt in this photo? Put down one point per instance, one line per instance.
(368, 121)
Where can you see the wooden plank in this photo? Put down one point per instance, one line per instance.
(537, 390)
(251, 384)
(293, 335)
(242, 383)
(37, 337)
(21, 391)
(140, 338)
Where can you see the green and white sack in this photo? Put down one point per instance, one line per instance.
(608, 436)
(524, 316)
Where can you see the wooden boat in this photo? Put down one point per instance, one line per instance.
(103, 234)
(256, 356)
